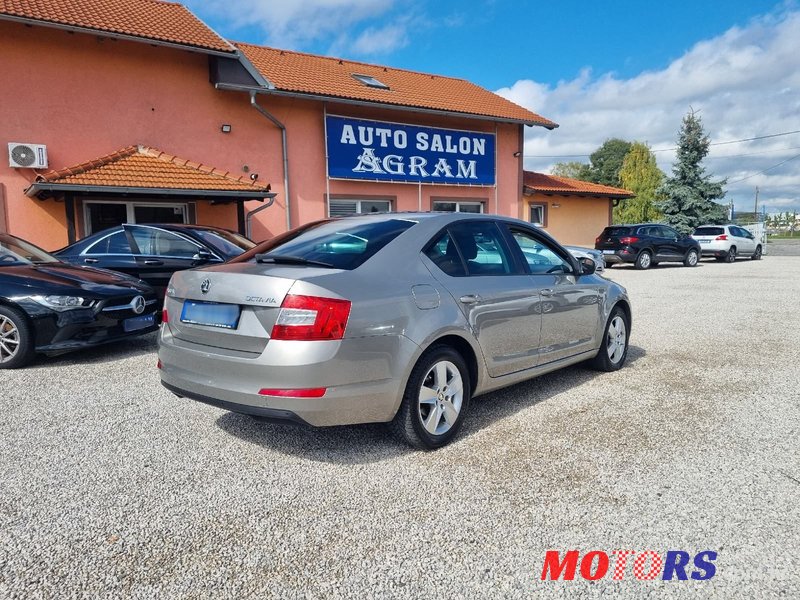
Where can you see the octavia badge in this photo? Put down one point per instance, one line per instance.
(205, 285)
(138, 304)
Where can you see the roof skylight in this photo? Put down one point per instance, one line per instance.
(370, 81)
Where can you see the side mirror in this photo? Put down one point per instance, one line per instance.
(202, 256)
(587, 266)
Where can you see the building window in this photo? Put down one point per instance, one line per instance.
(465, 207)
(103, 214)
(344, 207)
(538, 214)
(370, 81)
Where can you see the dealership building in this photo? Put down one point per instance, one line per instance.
(136, 111)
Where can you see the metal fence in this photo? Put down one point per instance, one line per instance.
(759, 230)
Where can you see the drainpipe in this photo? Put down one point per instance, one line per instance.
(284, 146)
(248, 220)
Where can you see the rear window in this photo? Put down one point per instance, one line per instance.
(340, 243)
(616, 231)
(709, 231)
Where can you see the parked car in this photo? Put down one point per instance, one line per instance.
(154, 252)
(595, 255)
(405, 326)
(727, 242)
(51, 307)
(646, 245)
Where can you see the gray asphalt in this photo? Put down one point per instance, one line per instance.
(112, 487)
(789, 247)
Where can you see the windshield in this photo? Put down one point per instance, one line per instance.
(340, 243)
(226, 242)
(14, 251)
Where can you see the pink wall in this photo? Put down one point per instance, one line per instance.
(86, 97)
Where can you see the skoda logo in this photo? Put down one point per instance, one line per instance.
(205, 285)
(138, 304)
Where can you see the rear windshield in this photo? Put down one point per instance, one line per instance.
(616, 231)
(339, 243)
(709, 231)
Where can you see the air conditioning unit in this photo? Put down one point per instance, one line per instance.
(27, 156)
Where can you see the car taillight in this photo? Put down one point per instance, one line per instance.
(597, 240)
(722, 237)
(159, 365)
(628, 240)
(164, 316)
(301, 393)
(310, 318)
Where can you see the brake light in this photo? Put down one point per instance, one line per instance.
(311, 318)
(164, 316)
(159, 365)
(597, 240)
(303, 393)
(628, 240)
(722, 237)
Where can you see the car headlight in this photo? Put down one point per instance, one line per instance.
(59, 302)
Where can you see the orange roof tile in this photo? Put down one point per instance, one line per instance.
(301, 73)
(554, 184)
(144, 167)
(149, 19)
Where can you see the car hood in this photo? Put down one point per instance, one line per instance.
(61, 276)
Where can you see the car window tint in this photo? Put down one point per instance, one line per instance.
(481, 247)
(341, 243)
(541, 258)
(709, 231)
(646, 231)
(444, 254)
(157, 242)
(667, 233)
(116, 243)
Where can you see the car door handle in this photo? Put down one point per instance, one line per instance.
(154, 262)
(546, 292)
(470, 299)
(90, 261)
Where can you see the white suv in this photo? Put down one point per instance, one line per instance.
(727, 242)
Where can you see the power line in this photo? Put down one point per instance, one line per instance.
(752, 139)
(752, 153)
(783, 162)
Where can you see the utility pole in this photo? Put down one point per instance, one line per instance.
(755, 208)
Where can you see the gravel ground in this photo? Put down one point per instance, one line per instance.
(112, 487)
(784, 247)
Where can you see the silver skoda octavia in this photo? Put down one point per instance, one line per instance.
(398, 318)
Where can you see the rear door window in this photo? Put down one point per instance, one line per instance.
(159, 242)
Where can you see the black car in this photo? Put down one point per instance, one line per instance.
(154, 252)
(646, 245)
(51, 307)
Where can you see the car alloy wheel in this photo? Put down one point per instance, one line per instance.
(440, 397)
(731, 255)
(757, 253)
(617, 339)
(9, 339)
(691, 259)
(435, 401)
(16, 339)
(644, 260)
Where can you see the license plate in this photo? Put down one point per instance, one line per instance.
(136, 323)
(705, 241)
(211, 314)
(609, 251)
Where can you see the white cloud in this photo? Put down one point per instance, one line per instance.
(745, 83)
(293, 24)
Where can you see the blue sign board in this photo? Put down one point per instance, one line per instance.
(380, 151)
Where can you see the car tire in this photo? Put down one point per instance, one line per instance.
(16, 339)
(644, 260)
(614, 347)
(731, 255)
(438, 386)
(757, 254)
(691, 259)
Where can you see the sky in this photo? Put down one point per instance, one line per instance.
(623, 68)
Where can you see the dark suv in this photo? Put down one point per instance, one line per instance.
(646, 244)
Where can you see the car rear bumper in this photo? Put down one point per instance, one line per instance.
(717, 250)
(363, 378)
(619, 256)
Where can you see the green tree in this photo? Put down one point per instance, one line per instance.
(572, 169)
(688, 196)
(639, 174)
(605, 162)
